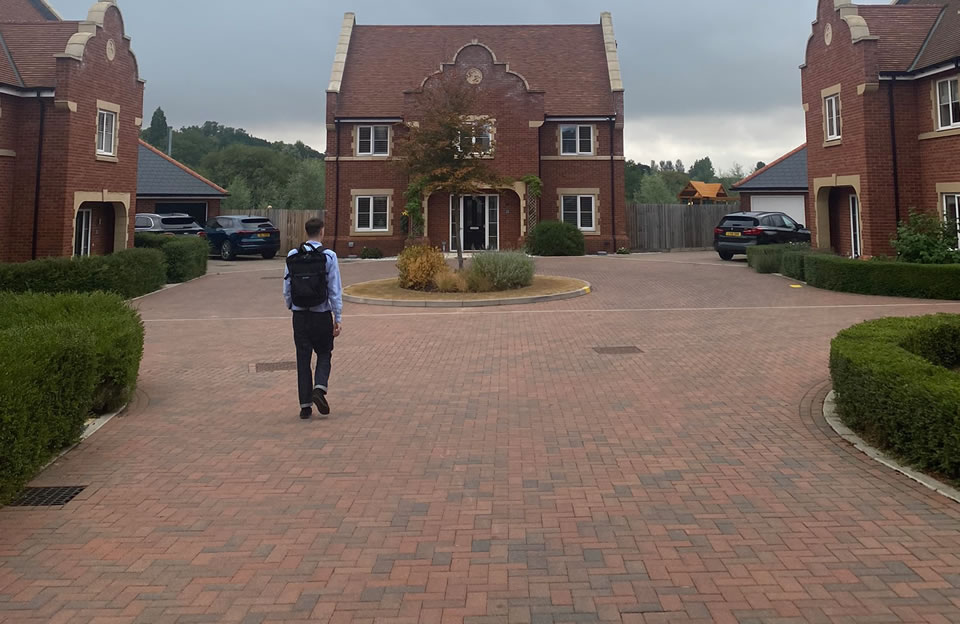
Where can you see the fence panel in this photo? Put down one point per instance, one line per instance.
(291, 224)
(662, 227)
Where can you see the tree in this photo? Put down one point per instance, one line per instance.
(653, 166)
(240, 200)
(653, 190)
(703, 171)
(666, 165)
(634, 174)
(442, 153)
(158, 133)
(307, 186)
(265, 170)
(678, 167)
(760, 165)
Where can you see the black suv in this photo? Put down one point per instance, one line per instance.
(741, 230)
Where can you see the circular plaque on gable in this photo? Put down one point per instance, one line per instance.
(828, 34)
(111, 50)
(474, 76)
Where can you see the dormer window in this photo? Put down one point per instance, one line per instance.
(576, 140)
(373, 141)
(949, 101)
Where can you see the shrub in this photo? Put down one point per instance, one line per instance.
(506, 270)
(371, 253)
(478, 282)
(186, 256)
(925, 239)
(129, 273)
(61, 358)
(555, 238)
(765, 258)
(450, 282)
(893, 387)
(894, 279)
(623, 251)
(419, 265)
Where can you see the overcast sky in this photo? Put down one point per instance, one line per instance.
(703, 77)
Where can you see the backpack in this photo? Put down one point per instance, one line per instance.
(307, 272)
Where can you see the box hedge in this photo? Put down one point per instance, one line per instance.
(186, 256)
(129, 273)
(895, 387)
(765, 258)
(62, 358)
(894, 279)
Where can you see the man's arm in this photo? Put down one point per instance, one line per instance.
(287, 297)
(335, 287)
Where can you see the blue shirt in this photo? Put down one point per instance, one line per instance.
(334, 286)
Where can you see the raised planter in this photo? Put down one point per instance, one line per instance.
(388, 293)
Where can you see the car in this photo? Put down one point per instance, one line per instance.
(739, 231)
(235, 235)
(168, 225)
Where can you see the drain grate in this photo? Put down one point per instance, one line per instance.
(275, 367)
(617, 350)
(47, 496)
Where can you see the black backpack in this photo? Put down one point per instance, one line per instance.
(308, 276)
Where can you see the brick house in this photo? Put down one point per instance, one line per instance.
(166, 186)
(781, 186)
(555, 98)
(880, 91)
(71, 104)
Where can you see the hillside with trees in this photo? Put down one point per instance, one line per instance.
(258, 173)
(661, 182)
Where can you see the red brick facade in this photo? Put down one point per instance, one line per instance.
(95, 70)
(869, 56)
(514, 93)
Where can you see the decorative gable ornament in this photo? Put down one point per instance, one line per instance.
(828, 34)
(474, 76)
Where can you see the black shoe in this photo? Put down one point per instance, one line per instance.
(320, 400)
(306, 413)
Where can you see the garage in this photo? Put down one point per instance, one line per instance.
(165, 186)
(197, 210)
(791, 205)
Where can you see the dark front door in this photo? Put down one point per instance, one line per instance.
(474, 224)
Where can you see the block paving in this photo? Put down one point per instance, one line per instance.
(487, 466)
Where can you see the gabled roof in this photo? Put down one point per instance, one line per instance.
(27, 11)
(159, 175)
(902, 31)
(943, 43)
(787, 173)
(704, 190)
(27, 52)
(576, 66)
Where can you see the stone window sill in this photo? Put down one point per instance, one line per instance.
(106, 158)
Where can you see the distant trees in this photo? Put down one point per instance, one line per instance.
(653, 190)
(158, 133)
(760, 165)
(661, 182)
(702, 170)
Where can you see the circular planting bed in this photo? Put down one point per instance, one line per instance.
(389, 293)
(897, 384)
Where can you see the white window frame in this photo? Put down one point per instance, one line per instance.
(474, 137)
(954, 96)
(580, 211)
(84, 230)
(373, 140)
(102, 115)
(832, 117)
(856, 231)
(955, 217)
(356, 213)
(580, 138)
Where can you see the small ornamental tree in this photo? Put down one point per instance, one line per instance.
(447, 151)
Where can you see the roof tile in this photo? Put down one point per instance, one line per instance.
(160, 175)
(787, 173)
(33, 47)
(902, 31)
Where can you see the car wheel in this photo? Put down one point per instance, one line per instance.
(726, 255)
(269, 255)
(227, 252)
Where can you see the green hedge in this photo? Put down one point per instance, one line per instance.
(765, 258)
(62, 358)
(129, 273)
(555, 238)
(186, 256)
(894, 386)
(894, 279)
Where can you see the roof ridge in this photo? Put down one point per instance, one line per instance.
(182, 166)
(770, 166)
(13, 65)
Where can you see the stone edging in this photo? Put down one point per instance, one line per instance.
(465, 303)
(833, 419)
(91, 428)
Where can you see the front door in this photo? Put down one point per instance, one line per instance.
(474, 224)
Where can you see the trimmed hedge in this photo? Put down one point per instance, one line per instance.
(765, 258)
(129, 273)
(894, 279)
(186, 256)
(894, 386)
(62, 357)
(555, 238)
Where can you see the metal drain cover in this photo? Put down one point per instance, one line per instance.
(47, 496)
(617, 350)
(275, 367)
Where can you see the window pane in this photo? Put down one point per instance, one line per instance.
(570, 209)
(379, 213)
(493, 206)
(569, 134)
(364, 143)
(586, 213)
(945, 89)
(381, 142)
(586, 139)
(363, 213)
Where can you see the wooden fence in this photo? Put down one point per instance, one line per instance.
(291, 224)
(662, 227)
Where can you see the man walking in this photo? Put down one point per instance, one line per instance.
(313, 291)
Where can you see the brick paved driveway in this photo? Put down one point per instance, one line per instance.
(489, 466)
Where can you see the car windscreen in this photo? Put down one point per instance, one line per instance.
(260, 223)
(738, 222)
(181, 221)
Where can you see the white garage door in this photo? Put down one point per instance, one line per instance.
(791, 205)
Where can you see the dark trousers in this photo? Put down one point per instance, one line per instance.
(312, 333)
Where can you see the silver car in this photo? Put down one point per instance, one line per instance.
(169, 224)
